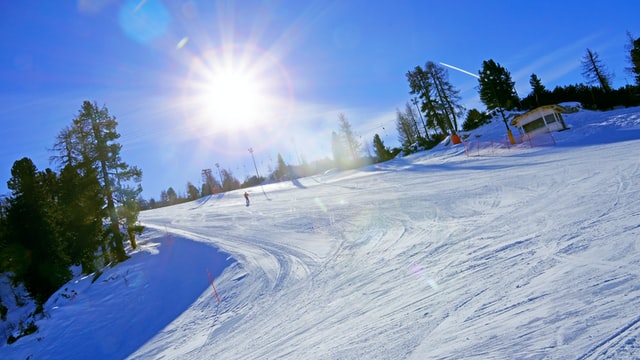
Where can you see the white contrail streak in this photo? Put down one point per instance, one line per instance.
(461, 70)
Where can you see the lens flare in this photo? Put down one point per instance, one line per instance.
(144, 21)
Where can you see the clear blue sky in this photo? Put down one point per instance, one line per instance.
(164, 69)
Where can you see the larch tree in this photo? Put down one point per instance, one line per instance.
(90, 142)
(408, 133)
(421, 85)
(438, 98)
(595, 71)
(352, 144)
(446, 94)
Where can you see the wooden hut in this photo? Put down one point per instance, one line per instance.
(542, 119)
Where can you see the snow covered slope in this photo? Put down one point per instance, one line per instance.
(530, 254)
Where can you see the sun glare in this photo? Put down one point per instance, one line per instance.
(236, 98)
(230, 92)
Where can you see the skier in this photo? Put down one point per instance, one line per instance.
(246, 197)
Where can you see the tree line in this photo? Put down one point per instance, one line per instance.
(433, 113)
(223, 180)
(79, 214)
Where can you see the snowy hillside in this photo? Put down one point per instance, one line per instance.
(531, 253)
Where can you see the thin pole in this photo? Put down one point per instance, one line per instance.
(254, 162)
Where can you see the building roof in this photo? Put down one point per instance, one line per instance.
(537, 113)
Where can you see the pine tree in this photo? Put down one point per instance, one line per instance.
(595, 72)
(35, 248)
(408, 133)
(439, 99)
(447, 96)
(282, 170)
(497, 90)
(474, 120)
(127, 198)
(81, 207)
(634, 57)
(537, 89)
(421, 85)
(382, 152)
(192, 191)
(91, 142)
(172, 196)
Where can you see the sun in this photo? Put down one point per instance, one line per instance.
(231, 92)
(234, 98)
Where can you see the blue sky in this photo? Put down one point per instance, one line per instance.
(195, 83)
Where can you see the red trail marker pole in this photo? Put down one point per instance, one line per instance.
(214, 288)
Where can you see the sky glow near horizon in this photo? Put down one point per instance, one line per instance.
(163, 69)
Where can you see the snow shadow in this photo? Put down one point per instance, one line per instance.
(201, 201)
(473, 165)
(139, 297)
(298, 184)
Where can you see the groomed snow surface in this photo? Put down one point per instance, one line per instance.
(529, 253)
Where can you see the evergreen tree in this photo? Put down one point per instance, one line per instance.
(164, 198)
(537, 89)
(172, 196)
(206, 190)
(474, 120)
(408, 133)
(447, 96)
(35, 248)
(81, 206)
(382, 152)
(4, 253)
(595, 72)
(282, 170)
(128, 212)
(352, 144)
(634, 57)
(421, 85)
(91, 142)
(192, 191)
(497, 90)
(209, 183)
(229, 182)
(439, 99)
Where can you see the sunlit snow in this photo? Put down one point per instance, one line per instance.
(529, 253)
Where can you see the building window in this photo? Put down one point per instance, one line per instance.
(534, 125)
(551, 118)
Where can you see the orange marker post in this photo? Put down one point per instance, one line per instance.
(214, 288)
